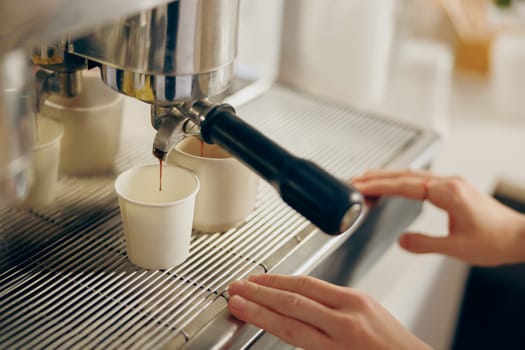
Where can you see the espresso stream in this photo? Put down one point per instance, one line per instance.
(160, 166)
(160, 174)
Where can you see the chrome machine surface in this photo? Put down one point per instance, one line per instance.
(158, 51)
(180, 51)
(23, 25)
(65, 280)
(176, 56)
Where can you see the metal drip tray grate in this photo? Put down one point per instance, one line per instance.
(65, 280)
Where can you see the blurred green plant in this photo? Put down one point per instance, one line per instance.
(503, 3)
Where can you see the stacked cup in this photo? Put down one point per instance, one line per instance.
(65, 130)
(95, 114)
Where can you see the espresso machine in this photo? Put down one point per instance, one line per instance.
(175, 57)
(73, 287)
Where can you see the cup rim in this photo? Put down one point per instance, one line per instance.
(163, 204)
(194, 156)
(55, 139)
(94, 108)
(118, 98)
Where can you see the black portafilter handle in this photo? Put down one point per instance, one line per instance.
(328, 203)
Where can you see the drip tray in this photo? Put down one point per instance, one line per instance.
(65, 280)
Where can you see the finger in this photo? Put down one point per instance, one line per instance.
(408, 186)
(288, 329)
(389, 174)
(422, 185)
(447, 193)
(419, 243)
(323, 292)
(288, 304)
(439, 191)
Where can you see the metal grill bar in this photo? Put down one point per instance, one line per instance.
(13, 277)
(211, 267)
(219, 282)
(50, 280)
(195, 262)
(73, 287)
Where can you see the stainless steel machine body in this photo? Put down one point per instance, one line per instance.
(23, 25)
(177, 52)
(168, 52)
(65, 280)
(176, 56)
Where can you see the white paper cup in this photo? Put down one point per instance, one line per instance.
(157, 224)
(92, 122)
(45, 162)
(228, 188)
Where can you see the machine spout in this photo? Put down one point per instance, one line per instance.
(170, 125)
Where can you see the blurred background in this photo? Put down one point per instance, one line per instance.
(456, 67)
(406, 56)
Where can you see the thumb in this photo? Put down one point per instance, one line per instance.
(418, 243)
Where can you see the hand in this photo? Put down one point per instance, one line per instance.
(313, 314)
(482, 231)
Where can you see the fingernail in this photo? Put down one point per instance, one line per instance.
(255, 277)
(359, 184)
(237, 302)
(235, 286)
(404, 241)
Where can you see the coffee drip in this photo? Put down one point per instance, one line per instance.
(160, 174)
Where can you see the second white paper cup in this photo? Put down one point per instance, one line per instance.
(228, 188)
(157, 224)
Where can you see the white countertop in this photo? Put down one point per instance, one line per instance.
(483, 149)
